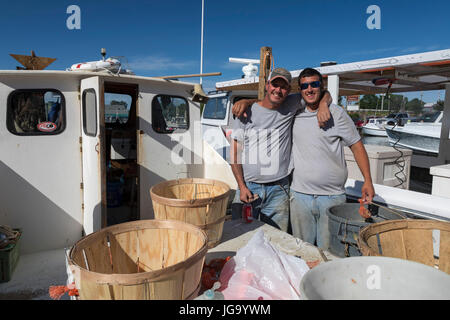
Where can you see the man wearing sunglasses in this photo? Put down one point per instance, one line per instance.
(319, 167)
(261, 149)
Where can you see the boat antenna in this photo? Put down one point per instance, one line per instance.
(201, 40)
(103, 52)
(250, 69)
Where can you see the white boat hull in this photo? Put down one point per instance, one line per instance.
(371, 131)
(411, 140)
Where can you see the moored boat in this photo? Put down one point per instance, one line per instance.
(375, 127)
(422, 136)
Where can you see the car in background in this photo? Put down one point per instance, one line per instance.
(399, 118)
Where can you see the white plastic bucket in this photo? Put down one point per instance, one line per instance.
(374, 278)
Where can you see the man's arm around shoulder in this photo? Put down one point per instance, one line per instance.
(323, 113)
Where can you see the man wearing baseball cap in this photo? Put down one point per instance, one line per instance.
(261, 149)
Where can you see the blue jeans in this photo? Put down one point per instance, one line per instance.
(272, 206)
(309, 217)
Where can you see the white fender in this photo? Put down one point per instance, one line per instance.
(109, 64)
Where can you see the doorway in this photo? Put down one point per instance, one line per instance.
(122, 176)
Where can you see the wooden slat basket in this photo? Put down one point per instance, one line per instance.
(409, 240)
(201, 202)
(140, 260)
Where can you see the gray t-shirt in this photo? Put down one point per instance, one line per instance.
(318, 154)
(266, 137)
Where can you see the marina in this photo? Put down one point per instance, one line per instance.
(100, 205)
(118, 184)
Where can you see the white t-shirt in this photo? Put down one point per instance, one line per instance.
(317, 153)
(266, 137)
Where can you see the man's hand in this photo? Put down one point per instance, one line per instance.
(241, 106)
(323, 113)
(246, 195)
(367, 192)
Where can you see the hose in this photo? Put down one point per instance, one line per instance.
(400, 165)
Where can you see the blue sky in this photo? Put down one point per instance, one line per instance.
(163, 37)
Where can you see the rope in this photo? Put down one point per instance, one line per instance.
(347, 254)
(56, 292)
(10, 236)
(388, 209)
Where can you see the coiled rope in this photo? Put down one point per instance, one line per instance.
(8, 236)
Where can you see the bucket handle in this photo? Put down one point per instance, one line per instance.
(195, 197)
(179, 172)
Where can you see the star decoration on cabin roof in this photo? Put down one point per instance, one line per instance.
(32, 62)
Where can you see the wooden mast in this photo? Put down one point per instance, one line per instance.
(265, 62)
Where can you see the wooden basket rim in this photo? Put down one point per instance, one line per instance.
(188, 203)
(143, 277)
(393, 225)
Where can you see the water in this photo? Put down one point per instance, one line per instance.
(373, 140)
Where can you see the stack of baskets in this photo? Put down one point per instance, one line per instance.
(154, 259)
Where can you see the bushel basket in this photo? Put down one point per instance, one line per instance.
(410, 240)
(140, 260)
(201, 202)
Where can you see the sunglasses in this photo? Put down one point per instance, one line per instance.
(314, 84)
(279, 84)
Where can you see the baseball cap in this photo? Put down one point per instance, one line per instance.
(280, 73)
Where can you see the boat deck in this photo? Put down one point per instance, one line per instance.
(36, 272)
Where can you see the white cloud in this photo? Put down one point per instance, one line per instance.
(232, 66)
(374, 51)
(411, 49)
(157, 63)
(434, 47)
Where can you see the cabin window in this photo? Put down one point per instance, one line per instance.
(169, 114)
(36, 112)
(90, 112)
(216, 108)
(117, 108)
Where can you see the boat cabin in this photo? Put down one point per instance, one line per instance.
(217, 118)
(80, 150)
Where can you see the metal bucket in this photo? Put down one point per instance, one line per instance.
(374, 278)
(344, 224)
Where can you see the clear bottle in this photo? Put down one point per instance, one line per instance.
(211, 294)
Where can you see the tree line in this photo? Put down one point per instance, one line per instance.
(395, 103)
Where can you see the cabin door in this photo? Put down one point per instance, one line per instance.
(93, 154)
(166, 141)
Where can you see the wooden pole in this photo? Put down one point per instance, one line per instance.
(265, 62)
(444, 145)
